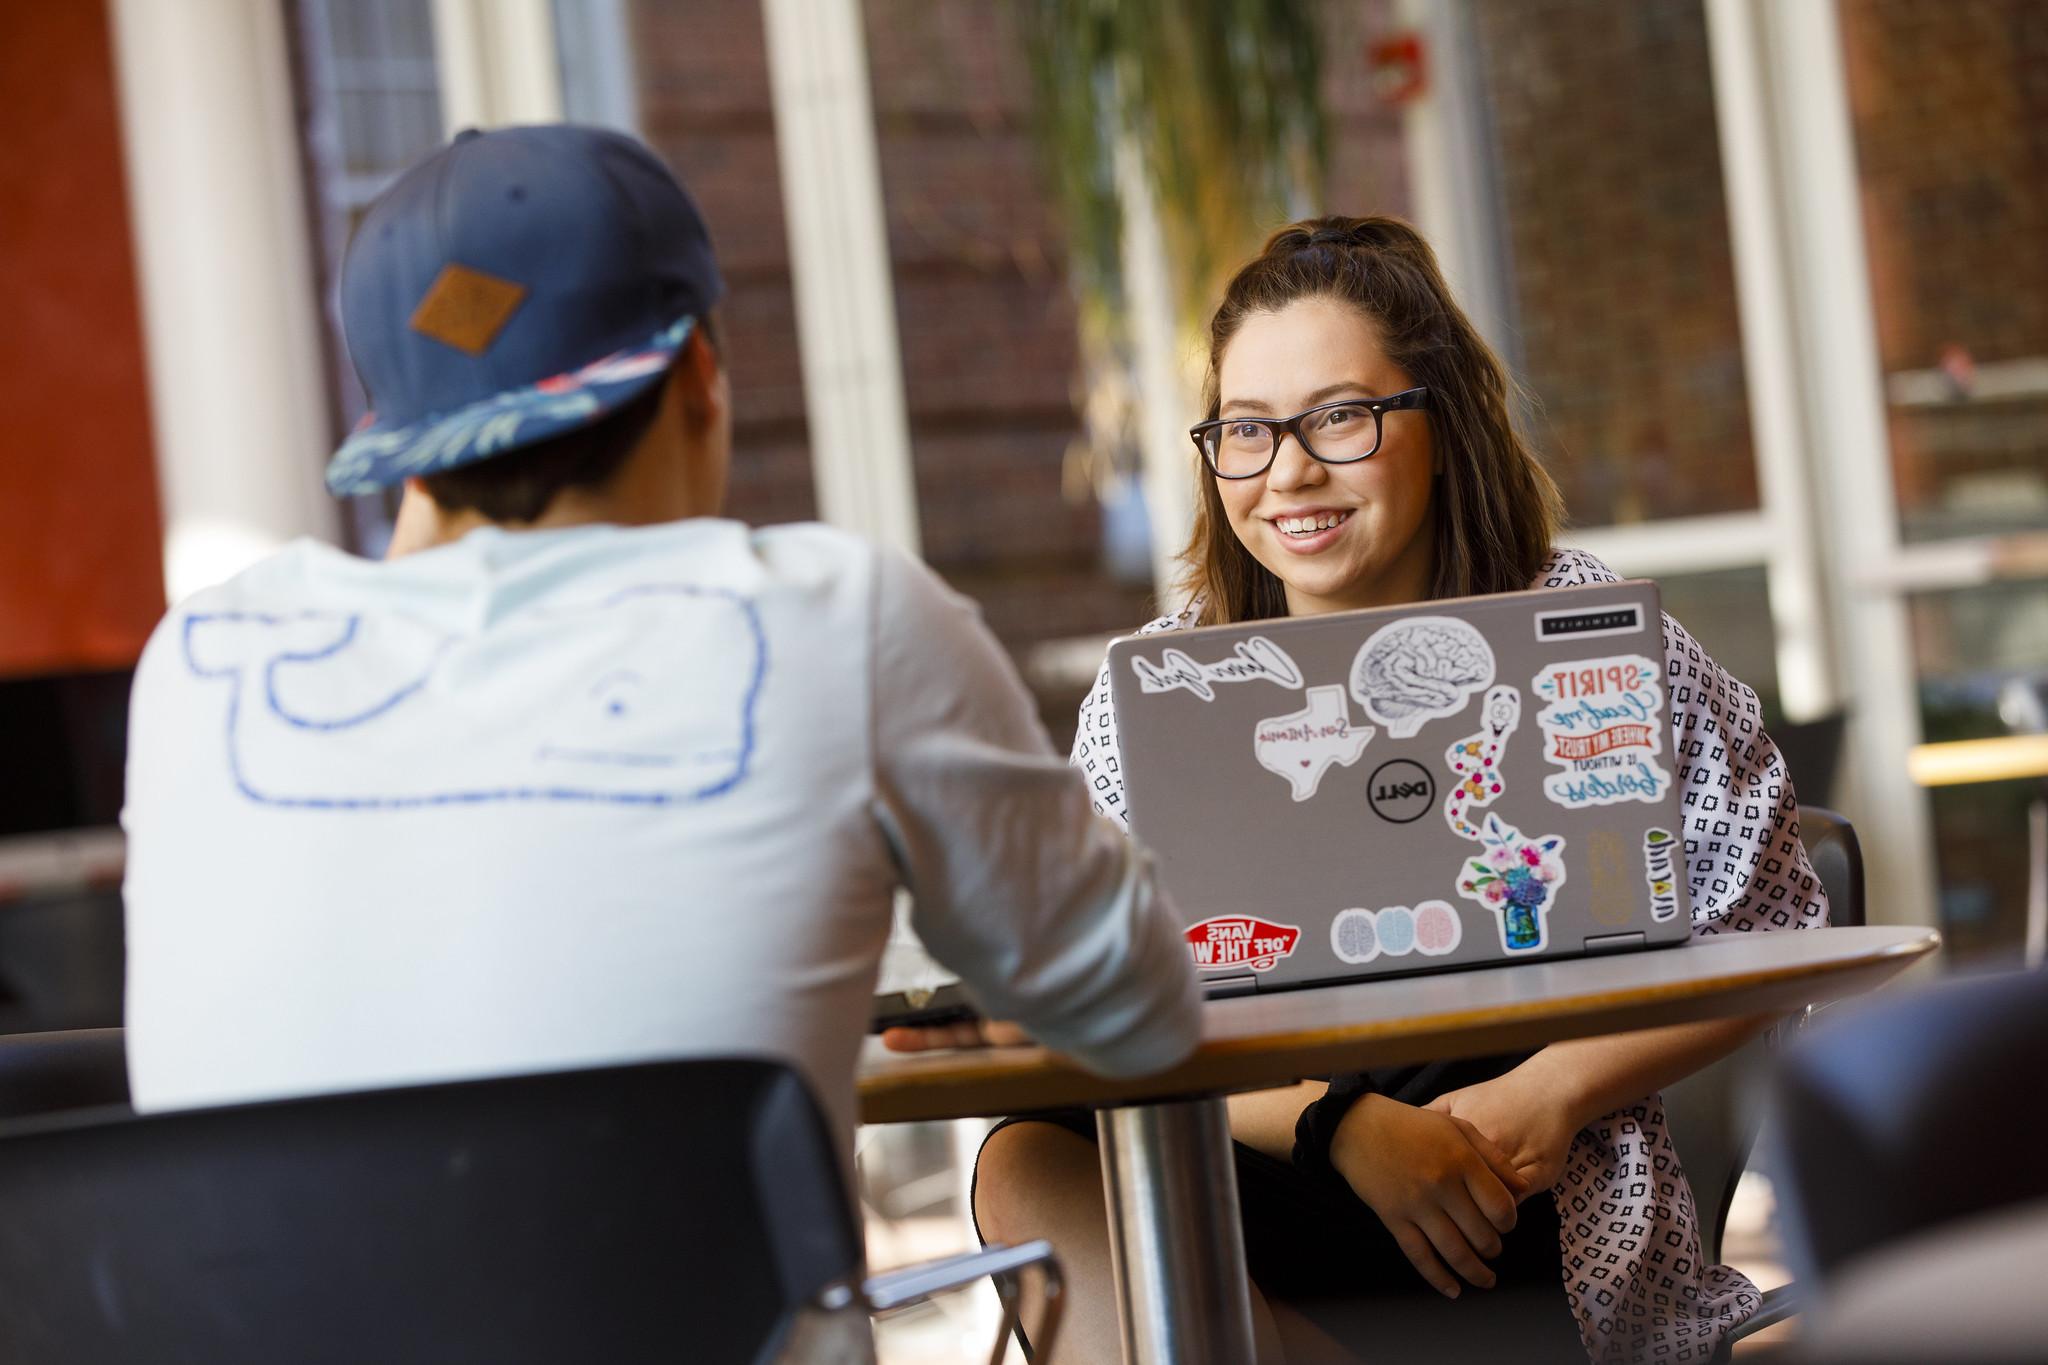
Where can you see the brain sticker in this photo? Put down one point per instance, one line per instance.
(1416, 670)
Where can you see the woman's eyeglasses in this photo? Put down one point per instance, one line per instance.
(1342, 432)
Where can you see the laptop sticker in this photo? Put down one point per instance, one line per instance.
(1255, 660)
(1301, 745)
(1518, 879)
(1353, 936)
(1603, 727)
(1401, 791)
(1579, 624)
(1431, 928)
(1661, 871)
(1418, 669)
(1612, 888)
(1475, 760)
(1240, 941)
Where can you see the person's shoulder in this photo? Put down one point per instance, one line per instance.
(1567, 567)
(1184, 619)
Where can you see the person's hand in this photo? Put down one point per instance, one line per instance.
(1533, 1129)
(1443, 1189)
(965, 1033)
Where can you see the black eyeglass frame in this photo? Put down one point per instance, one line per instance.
(1408, 400)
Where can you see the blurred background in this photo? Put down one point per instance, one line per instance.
(1771, 271)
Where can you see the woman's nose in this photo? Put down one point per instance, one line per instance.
(1292, 466)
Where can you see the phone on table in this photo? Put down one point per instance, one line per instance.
(946, 1004)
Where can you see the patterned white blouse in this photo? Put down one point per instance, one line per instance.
(1628, 1238)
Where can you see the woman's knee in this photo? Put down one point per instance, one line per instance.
(1031, 1178)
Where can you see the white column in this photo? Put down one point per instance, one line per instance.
(1449, 158)
(238, 393)
(1166, 400)
(1752, 174)
(497, 63)
(839, 258)
(1840, 386)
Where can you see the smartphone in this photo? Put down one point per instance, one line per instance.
(947, 1004)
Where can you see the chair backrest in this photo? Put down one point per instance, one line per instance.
(661, 1212)
(41, 1073)
(1709, 1125)
(1917, 1109)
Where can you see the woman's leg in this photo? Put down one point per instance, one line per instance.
(1041, 1180)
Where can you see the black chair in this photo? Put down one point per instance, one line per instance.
(42, 1073)
(1911, 1112)
(690, 1210)
(1711, 1125)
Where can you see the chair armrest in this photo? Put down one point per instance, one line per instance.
(1003, 1264)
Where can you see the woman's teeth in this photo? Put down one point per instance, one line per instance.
(1302, 526)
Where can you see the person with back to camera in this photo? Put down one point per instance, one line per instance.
(1359, 453)
(585, 775)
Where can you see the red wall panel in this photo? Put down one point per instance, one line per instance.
(81, 564)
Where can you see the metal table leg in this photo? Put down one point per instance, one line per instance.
(1182, 1294)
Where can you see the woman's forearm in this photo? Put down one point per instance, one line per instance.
(1596, 1076)
(1264, 1119)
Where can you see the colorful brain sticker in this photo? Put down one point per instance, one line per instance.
(1431, 928)
(1418, 669)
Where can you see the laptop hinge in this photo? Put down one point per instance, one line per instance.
(1607, 943)
(1217, 987)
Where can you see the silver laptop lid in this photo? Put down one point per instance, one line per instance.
(1444, 784)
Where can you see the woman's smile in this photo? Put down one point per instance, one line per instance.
(1308, 531)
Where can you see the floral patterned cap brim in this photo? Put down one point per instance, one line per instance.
(376, 456)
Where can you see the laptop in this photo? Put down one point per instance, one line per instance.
(1440, 785)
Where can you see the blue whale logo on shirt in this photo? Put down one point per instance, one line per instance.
(647, 697)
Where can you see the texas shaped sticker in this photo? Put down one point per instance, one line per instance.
(1301, 745)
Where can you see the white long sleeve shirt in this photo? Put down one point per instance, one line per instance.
(553, 799)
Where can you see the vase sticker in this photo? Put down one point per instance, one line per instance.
(1240, 941)
(1301, 745)
(1431, 928)
(1660, 869)
(1474, 761)
(1401, 791)
(1603, 727)
(1255, 660)
(1418, 669)
(1518, 879)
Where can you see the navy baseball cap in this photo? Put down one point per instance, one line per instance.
(515, 285)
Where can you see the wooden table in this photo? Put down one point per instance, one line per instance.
(1166, 1153)
(2003, 759)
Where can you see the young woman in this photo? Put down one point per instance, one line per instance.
(1358, 452)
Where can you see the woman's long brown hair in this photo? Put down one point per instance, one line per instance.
(1495, 508)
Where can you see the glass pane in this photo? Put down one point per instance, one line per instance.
(1950, 108)
(1967, 645)
(1620, 280)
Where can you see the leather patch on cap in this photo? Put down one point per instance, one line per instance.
(467, 309)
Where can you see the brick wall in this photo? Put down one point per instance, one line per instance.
(1622, 282)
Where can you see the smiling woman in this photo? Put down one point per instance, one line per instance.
(1357, 451)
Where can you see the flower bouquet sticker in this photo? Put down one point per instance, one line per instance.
(1603, 726)
(1518, 879)
(1661, 872)
(1418, 669)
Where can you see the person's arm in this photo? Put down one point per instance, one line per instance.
(1747, 871)
(1051, 918)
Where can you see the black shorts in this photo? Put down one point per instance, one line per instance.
(1312, 1244)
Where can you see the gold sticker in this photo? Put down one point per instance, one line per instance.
(467, 309)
